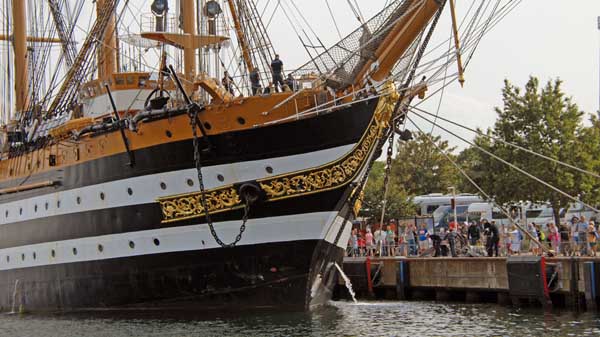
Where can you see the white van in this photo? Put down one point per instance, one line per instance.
(430, 202)
(578, 209)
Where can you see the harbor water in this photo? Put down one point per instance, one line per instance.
(336, 319)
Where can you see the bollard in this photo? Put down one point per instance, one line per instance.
(402, 280)
(527, 279)
(591, 287)
(369, 279)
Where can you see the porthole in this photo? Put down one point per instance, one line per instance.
(23, 257)
(129, 191)
(53, 253)
(131, 244)
(163, 185)
(102, 196)
(46, 205)
(74, 251)
(207, 126)
(269, 169)
(34, 255)
(190, 182)
(156, 242)
(78, 200)
(241, 120)
(100, 248)
(221, 178)
(35, 208)
(169, 134)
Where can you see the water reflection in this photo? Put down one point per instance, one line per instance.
(338, 319)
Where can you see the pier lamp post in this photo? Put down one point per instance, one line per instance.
(453, 190)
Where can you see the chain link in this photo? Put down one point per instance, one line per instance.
(198, 161)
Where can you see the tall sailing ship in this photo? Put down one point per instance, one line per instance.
(166, 187)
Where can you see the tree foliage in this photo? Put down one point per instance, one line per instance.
(542, 119)
(421, 168)
(546, 121)
(398, 204)
(418, 168)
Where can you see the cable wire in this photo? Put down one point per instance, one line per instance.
(513, 166)
(556, 161)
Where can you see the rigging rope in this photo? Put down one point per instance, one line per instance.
(333, 19)
(552, 187)
(516, 146)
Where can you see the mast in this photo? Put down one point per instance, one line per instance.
(107, 51)
(19, 12)
(189, 53)
(401, 36)
(241, 36)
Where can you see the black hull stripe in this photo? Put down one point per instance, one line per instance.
(274, 275)
(338, 128)
(148, 217)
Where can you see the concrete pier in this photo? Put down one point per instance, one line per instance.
(526, 280)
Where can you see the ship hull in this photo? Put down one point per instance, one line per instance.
(98, 240)
(262, 276)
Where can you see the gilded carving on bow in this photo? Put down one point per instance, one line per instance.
(189, 206)
(329, 176)
(386, 106)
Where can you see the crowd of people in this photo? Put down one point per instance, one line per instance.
(576, 237)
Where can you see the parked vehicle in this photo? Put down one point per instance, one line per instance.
(429, 203)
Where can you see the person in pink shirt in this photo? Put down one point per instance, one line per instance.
(554, 236)
(369, 242)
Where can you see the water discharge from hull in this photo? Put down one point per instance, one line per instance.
(347, 282)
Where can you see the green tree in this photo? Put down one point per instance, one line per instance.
(398, 200)
(420, 167)
(544, 120)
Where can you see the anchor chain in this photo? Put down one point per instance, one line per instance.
(388, 171)
(198, 162)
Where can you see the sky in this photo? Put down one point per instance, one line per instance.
(543, 38)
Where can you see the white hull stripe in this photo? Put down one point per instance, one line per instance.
(146, 189)
(309, 226)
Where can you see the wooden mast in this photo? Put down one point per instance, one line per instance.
(188, 13)
(107, 51)
(399, 39)
(19, 13)
(241, 37)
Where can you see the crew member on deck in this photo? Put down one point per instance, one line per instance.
(277, 69)
(290, 82)
(255, 81)
(227, 82)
